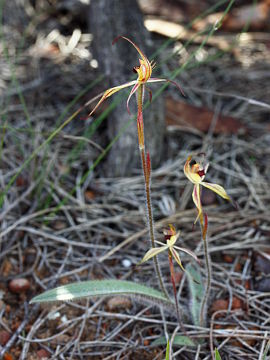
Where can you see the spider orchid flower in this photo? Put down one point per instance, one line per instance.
(196, 174)
(144, 72)
(171, 237)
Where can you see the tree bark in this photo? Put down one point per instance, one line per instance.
(107, 20)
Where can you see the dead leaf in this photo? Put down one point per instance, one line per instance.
(200, 118)
(257, 16)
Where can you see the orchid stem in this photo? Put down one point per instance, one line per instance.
(204, 225)
(146, 173)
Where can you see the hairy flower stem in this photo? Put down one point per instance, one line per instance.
(147, 174)
(204, 226)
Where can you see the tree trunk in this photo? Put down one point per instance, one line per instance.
(107, 20)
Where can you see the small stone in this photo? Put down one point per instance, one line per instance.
(119, 302)
(126, 263)
(59, 225)
(4, 337)
(19, 285)
(43, 354)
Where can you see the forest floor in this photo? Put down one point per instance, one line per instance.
(62, 222)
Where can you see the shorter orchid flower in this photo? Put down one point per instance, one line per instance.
(144, 72)
(170, 236)
(196, 174)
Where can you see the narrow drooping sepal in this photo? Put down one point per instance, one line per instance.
(218, 189)
(196, 196)
(134, 89)
(110, 92)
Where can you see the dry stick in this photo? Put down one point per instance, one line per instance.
(147, 173)
(204, 226)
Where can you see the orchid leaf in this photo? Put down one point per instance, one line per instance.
(196, 292)
(179, 340)
(94, 288)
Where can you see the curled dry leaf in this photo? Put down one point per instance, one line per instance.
(186, 115)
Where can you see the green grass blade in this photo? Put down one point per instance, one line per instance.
(168, 350)
(179, 340)
(94, 288)
(217, 355)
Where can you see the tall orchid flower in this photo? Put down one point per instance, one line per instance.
(196, 174)
(144, 71)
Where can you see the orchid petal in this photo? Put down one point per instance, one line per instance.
(112, 91)
(153, 252)
(172, 240)
(218, 189)
(191, 175)
(196, 196)
(153, 80)
(135, 87)
(136, 47)
(177, 258)
(189, 252)
(145, 69)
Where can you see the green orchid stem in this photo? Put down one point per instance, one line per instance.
(146, 174)
(204, 225)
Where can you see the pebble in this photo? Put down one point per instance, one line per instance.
(43, 354)
(119, 302)
(126, 263)
(19, 285)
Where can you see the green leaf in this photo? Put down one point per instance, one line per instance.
(179, 340)
(217, 355)
(95, 288)
(197, 292)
